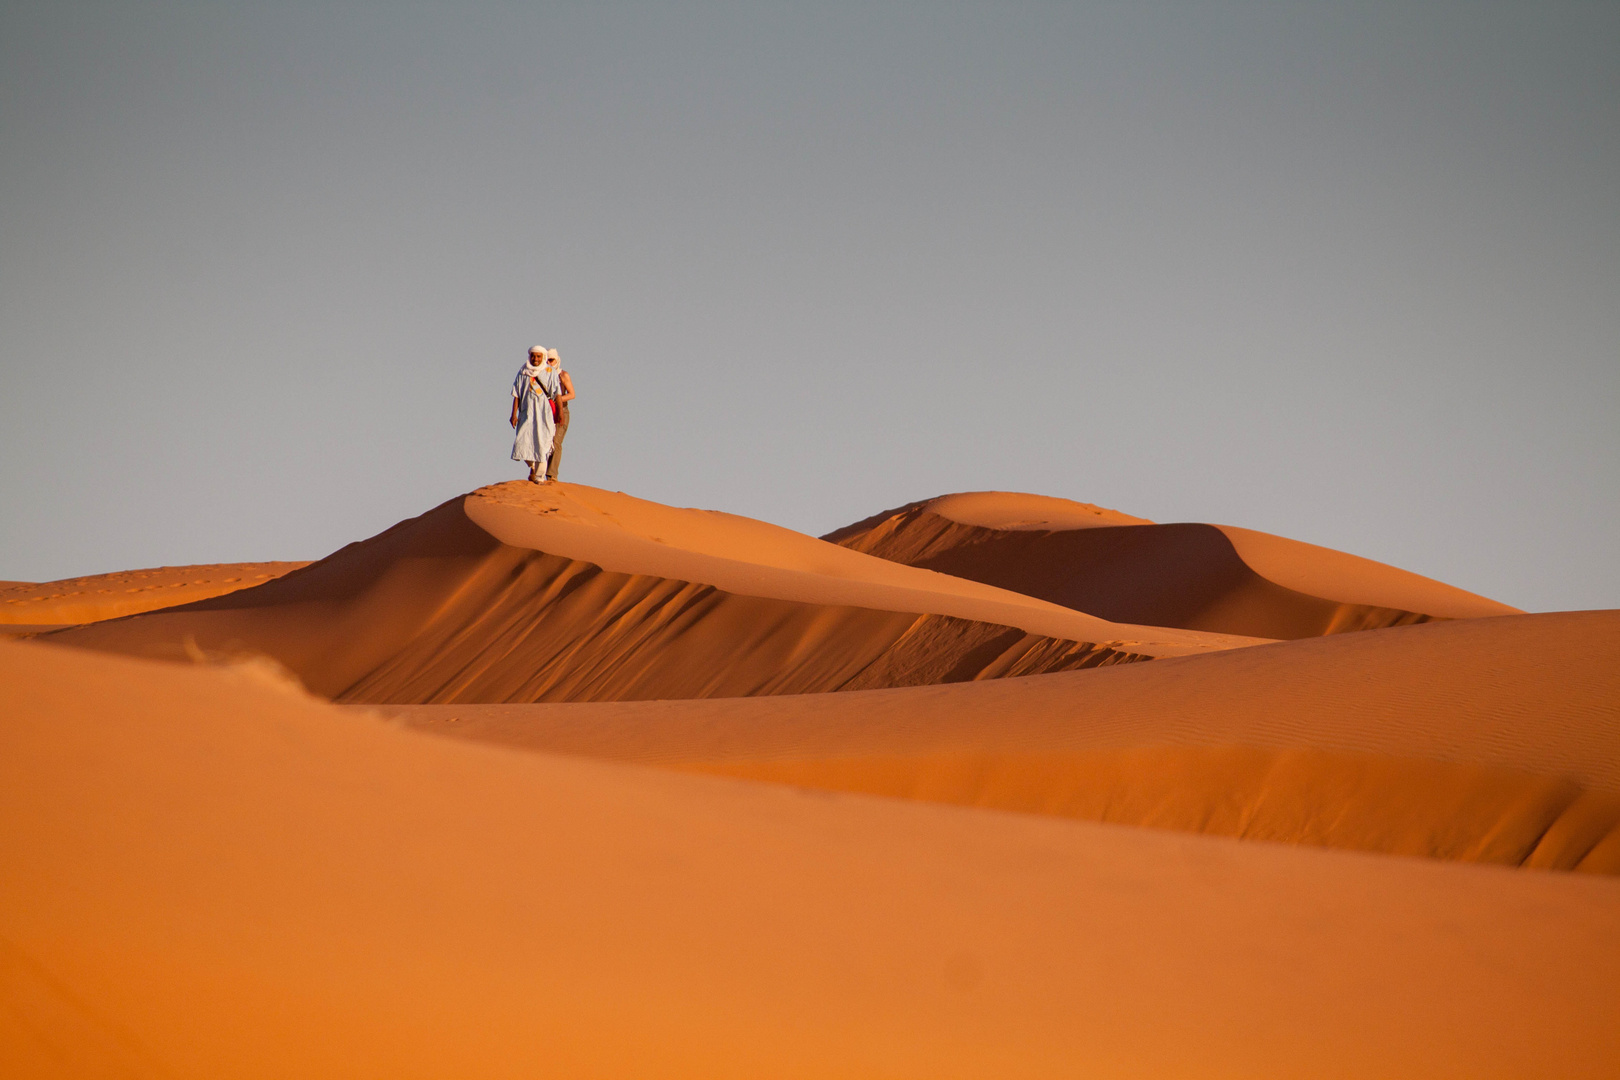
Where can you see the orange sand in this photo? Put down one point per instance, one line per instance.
(109, 596)
(522, 593)
(1491, 740)
(1218, 579)
(210, 875)
(209, 872)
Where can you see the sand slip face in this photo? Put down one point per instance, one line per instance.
(210, 875)
(499, 597)
(1206, 577)
(128, 592)
(1492, 740)
(753, 558)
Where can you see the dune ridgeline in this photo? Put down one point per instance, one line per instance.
(557, 781)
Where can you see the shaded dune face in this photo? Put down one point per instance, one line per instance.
(1183, 575)
(437, 610)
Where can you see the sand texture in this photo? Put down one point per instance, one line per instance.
(551, 781)
(1451, 740)
(210, 875)
(499, 597)
(1218, 579)
(127, 592)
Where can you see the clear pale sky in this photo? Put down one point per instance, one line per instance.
(1345, 272)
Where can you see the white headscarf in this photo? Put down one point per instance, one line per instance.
(531, 370)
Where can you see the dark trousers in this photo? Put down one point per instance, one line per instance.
(556, 441)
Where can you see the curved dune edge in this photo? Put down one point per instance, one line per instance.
(128, 592)
(1001, 511)
(437, 609)
(1215, 579)
(1293, 564)
(210, 874)
(1353, 802)
(623, 534)
(1490, 740)
(1351, 579)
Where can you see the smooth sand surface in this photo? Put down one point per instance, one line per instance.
(1217, 579)
(518, 594)
(127, 592)
(211, 875)
(1492, 740)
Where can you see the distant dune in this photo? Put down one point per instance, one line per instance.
(1213, 578)
(127, 592)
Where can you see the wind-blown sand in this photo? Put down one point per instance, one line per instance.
(1156, 851)
(209, 874)
(1215, 578)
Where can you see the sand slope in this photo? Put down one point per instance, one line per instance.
(1493, 740)
(1205, 577)
(209, 875)
(438, 609)
(127, 592)
(753, 558)
(517, 594)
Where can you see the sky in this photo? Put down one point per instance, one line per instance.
(1345, 272)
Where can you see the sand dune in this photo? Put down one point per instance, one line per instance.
(127, 592)
(753, 558)
(1494, 740)
(1218, 579)
(517, 594)
(209, 874)
(941, 871)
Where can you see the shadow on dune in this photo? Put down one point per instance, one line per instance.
(1184, 575)
(436, 609)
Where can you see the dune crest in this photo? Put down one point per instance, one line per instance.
(1217, 579)
(741, 555)
(441, 609)
(1003, 511)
